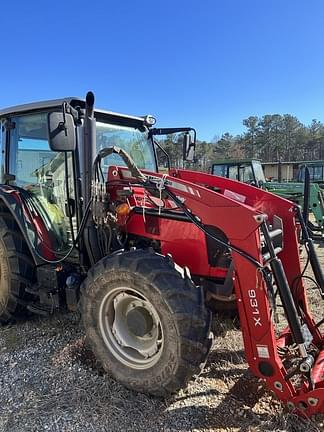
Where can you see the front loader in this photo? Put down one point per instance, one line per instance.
(87, 221)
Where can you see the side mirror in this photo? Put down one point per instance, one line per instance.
(61, 131)
(189, 148)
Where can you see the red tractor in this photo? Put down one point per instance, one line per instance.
(87, 220)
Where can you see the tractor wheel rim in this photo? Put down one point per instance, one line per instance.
(131, 328)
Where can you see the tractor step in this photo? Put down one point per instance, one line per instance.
(38, 309)
(32, 290)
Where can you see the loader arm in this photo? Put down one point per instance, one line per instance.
(258, 265)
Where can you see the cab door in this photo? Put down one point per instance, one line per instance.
(45, 176)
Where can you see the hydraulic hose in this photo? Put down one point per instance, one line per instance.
(126, 158)
(199, 225)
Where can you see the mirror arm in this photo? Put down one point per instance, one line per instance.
(62, 125)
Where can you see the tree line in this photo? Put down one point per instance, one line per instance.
(272, 137)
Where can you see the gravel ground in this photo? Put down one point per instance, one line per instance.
(49, 381)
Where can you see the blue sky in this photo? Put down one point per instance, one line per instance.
(206, 63)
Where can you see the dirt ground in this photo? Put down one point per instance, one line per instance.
(50, 382)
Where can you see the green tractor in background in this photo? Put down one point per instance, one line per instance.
(251, 171)
(316, 172)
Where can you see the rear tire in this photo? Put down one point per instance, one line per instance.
(146, 321)
(16, 269)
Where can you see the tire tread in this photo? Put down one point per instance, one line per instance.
(21, 266)
(185, 300)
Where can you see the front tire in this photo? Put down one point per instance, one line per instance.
(146, 321)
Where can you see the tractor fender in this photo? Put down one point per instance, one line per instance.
(14, 202)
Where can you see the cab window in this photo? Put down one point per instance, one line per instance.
(41, 172)
(220, 170)
(246, 173)
(134, 141)
(233, 172)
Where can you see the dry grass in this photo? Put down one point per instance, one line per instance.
(50, 381)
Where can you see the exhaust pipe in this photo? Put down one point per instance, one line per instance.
(89, 151)
(89, 147)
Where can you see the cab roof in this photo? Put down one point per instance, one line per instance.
(101, 115)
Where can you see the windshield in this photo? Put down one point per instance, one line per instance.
(135, 142)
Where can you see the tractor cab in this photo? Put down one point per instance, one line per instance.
(47, 174)
(48, 156)
(316, 172)
(248, 171)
